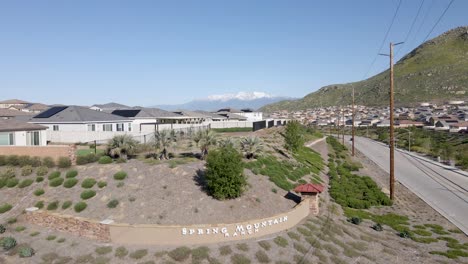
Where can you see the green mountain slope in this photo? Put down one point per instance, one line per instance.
(435, 71)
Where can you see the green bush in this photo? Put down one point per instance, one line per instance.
(53, 175)
(224, 173)
(12, 182)
(39, 204)
(88, 183)
(51, 237)
(25, 183)
(105, 160)
(5, 208)
(69, 183)
(26, 170)
(294, 136)
(3, 160)
(80, 206)
(71, 174)
(26, 252)
(66, 205)
(53, 205)
(239, 259)
(87, 194)
(64, 162)
(102, 184)
(180, 254)
(85, 159)
(12, 160)
(8, 243)
(2, 229)
(120, 175)
(138, 254)
(262, 257)
(9, 172)
(200, 253)
(24, 160)
(113, 203)
(377, 227)
(355, 220)
(42, 171)
(48, 162)
(39, 179)
(121, 252)
(36, 161)
(56, 182)
(103, 250)
(281, 241)
(265, 245)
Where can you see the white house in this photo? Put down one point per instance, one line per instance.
(19, 133)
(248, 113)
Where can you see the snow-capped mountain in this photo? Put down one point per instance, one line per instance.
(253, 100)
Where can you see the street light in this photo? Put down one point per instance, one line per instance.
(409, 138)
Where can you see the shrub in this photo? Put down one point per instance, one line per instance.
(138, 254)
(242, 247)
(53, 175)
(377, 227)
(56, 182)
(66, 205)
(240, 259)
(12, 182)
(48, 162)
(3, 160)
(26, 170)
(224, 173)
(53, 205)
(355, 220)
(103, 250)
(200, 253)
(180, 254)
(39, 179)
(105, 160)
(61, 240)
(9, 172)
(265, 245)
(8, 243)
(120, 175)
(64, 162)
(35, 233)
(293, 136)
(120, 160)
(12, 160)
(80, 206)
(25, 183)
(42, 171)
(85, 159)
(281, 241)
(121, 252)
(113, 203)
(5, 208)
(262, 257)
(405, 234)
(102, 184)
(36, 161)
(2, 229)
(71, 174)
(12, 220)
(88, 183)
(85, 195)
(20, 228)
(69, 183)
(24, 160)
(51, 237)
(39, 204)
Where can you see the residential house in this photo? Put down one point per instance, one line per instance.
(109, 107)
(249, 114)
(13, 103)
(10, 114)
(19, 133)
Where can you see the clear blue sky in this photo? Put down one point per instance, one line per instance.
(152, 52)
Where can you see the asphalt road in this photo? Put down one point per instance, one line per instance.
(444, 188)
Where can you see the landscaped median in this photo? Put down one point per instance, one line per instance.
(169, 234)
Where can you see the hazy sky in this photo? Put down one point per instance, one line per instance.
(155, 52)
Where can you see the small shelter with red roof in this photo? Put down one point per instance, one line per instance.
(310, 191)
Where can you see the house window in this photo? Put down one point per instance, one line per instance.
(120, 127)
(129, 126)
(107, 127)
(7, 139)
(55, 128)
(33, 138)
(92, 127)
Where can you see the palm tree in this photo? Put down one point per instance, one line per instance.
(251, 147)
(121, 146)
(162, 140)
(204, 139)
(227, 142)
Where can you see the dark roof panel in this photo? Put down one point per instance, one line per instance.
(51, 111)
(126, 112)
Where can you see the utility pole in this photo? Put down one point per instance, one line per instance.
(392, 142)
(344, 123)
(352, 113)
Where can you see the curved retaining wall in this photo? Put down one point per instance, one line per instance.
(172, 235)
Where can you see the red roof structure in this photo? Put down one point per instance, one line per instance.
(309, 188)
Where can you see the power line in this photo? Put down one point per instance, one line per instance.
(422, 23)
(385, 38)
(411, 27)
(440, 18)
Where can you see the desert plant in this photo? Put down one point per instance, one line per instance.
(2, 229)
(102, 184)
(120, 175)
(377, 227)
(251, 147)
(103, 250)
(42, 171)
(80, 206)
(39, 192)
(20, 228)
(39, 179)
(405, 234)
(262, 257)
(161, 141)
(88, 183)
(71, 174)
(224, 173)
(53, 205)
(51, 237)
(121, 146)
(36, 161)
(180, 254)
(12, 160)
(85, 159)
(69, 183)
(64, 162)
(113, 203)
(138, 254)
(26, 170)
(225, 250)
(24, 160)
(39, 204)
(66, 204)
(121, 252)
(12, 182)
(9, 172)
(105, 160)
(26, 252)
(48, 162)
(56, 182)
(355, 220)
(204, 139)
(87, 194)
(53, 175)
(25, 183)
(281, 241)
(8, 243)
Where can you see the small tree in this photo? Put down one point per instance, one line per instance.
(294, 136)
(251, 147)
(162, 140)
(224, 173)
(121, 146)
(204, 139)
